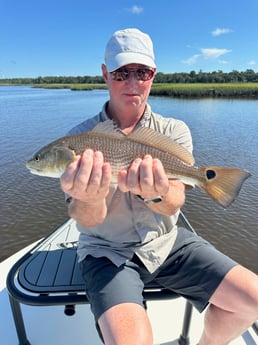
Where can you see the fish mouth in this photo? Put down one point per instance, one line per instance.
(33, 170)
(28, 166)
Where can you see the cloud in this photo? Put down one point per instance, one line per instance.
(213, 53)
(136, 9)
(221, 31)
(207, 54)
(252, 63)
(192, 60)
(223, 62)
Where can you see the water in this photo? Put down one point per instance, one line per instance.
(224, 133)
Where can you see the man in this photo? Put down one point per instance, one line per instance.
(128, 231)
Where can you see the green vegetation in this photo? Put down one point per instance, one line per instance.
(74, 87)
(230, 90)
(233, 90)
(194, 84)
(248, 76)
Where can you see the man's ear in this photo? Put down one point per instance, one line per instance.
(104, 72)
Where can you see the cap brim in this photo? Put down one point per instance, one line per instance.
(127, 58)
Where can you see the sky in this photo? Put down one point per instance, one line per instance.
(68, 37)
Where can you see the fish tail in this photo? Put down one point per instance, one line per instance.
(223, 184)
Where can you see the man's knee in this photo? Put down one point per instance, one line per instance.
(238, 292)
(126, 323)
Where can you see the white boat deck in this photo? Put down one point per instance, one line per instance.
(49, 325)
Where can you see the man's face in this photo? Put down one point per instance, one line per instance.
(131, 92)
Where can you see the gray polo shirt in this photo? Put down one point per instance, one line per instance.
(130, 227)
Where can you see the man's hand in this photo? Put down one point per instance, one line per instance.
(145, 177)
(87, 182)
(87, 178)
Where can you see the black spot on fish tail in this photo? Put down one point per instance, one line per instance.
(211, 174)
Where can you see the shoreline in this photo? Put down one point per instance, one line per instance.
(177, 90)
(196, 90)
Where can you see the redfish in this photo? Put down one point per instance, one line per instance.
(222, 184)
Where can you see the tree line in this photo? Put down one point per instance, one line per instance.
(248, 76)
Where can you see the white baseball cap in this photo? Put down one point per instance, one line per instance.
(129, 46)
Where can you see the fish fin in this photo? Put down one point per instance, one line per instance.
(148, 136)
(108, 127)
(223, 184)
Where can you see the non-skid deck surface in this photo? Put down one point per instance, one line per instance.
(54, 266)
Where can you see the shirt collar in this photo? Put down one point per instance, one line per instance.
(143, 122)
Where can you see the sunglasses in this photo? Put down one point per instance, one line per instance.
(142, 74)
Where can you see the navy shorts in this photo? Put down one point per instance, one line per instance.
(194, 269)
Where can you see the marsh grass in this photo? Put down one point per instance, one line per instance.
(230, 90)
(206, 90)
(74, 87)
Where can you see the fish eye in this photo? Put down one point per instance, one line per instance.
(37, 157)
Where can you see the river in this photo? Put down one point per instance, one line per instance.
(224, 133)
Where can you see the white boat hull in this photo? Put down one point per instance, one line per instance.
(49, 325)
